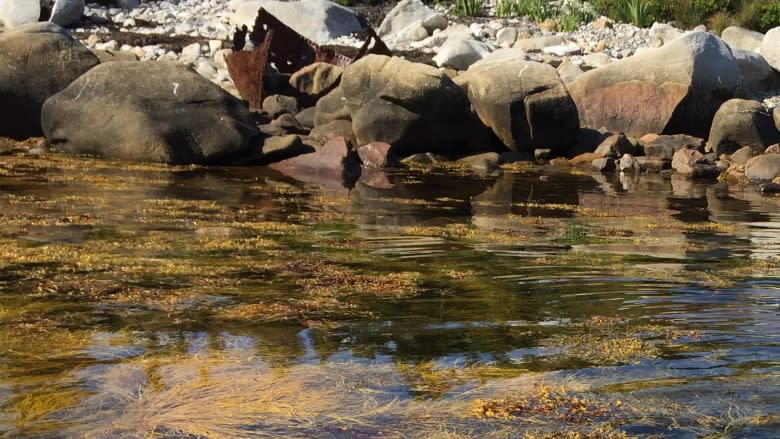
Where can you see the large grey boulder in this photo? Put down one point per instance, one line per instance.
(525, 103)
(318, 20)
(770, 47)
(673, 89)
(67, 12)
(14, 13)
(740, 38)
(739, 123)
(759, 76)
(413, 107)
(36, 61)
(149, 112)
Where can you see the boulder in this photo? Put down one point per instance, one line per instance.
(742, 155)
(280, 148)
(615, 146)
(404, 14)
(179, 118)
(460, 51)
(524, 103)
(739, 123)
(685, 160)
(758, 75)
(276, 105)
(506, 37)
(67, 12)
(317, 20)
(568, 71)
(331, 107)
(674, 89)
(413, 107)
(317, 79)
(14, 13)
(770, 47)
(763, 168)
(663, 33)
(740, 38)
(36, 61)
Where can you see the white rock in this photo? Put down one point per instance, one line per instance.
(15, 13)
(67, 12)
(205, 69)
(414, 32)
(477, 30)
(563, 50)
(740, 38)
(191, 52)
(108, 45)
(506, 37)
(318, 20)
(402, 15)
(214, 45)
(459, 52)
(219, 58)
(537, 44)
(596, 60)
(770, 47)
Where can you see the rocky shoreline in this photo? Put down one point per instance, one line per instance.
(149, 82)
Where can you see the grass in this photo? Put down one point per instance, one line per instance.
(469, 8)
(638, 12)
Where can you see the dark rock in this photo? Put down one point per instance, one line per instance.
(331, 107)
(615, 146)
(603, 164)
(276, 105)
(628, 163)
(739, 123)
(542, 155)
(664, 147)
(653, 165)
(334, 129)
(179, 118)
(770, 188)
(288, 123)
(316, 80)
(36, 61)
(763, 168)
(280, 148)
(487, 161)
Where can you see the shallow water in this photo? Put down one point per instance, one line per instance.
(147, 301)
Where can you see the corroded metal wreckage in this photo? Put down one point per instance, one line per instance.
(289, 51)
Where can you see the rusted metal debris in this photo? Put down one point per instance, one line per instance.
(288, 50)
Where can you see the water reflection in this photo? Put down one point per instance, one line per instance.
(644, 288)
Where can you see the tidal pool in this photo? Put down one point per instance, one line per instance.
(143, 301)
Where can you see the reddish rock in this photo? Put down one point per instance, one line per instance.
(377, 155)
(330, 166)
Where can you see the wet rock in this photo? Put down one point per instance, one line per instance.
(67, 12)
(460, 51)
(684, 160)
(484, 162)
(664, 147)
(288, 123)
(603, 164)
(740, 123)
(671, 90)
(14, 13)
(763, 168)
(377, 155)
(770, 47)
(180, 117)
(336, 128)
(276, 105)
(330, 166)
(318, 20)
(278, 148)
(740, 38)
(628, 163)
(654, 165)
(524, 103)
(36, 61)
(770, 188)
(615, 146)
(413, 107)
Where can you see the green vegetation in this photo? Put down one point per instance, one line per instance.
(469, 8)
(690, 13)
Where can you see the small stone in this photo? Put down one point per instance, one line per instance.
(506, 37)
(191, 52)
